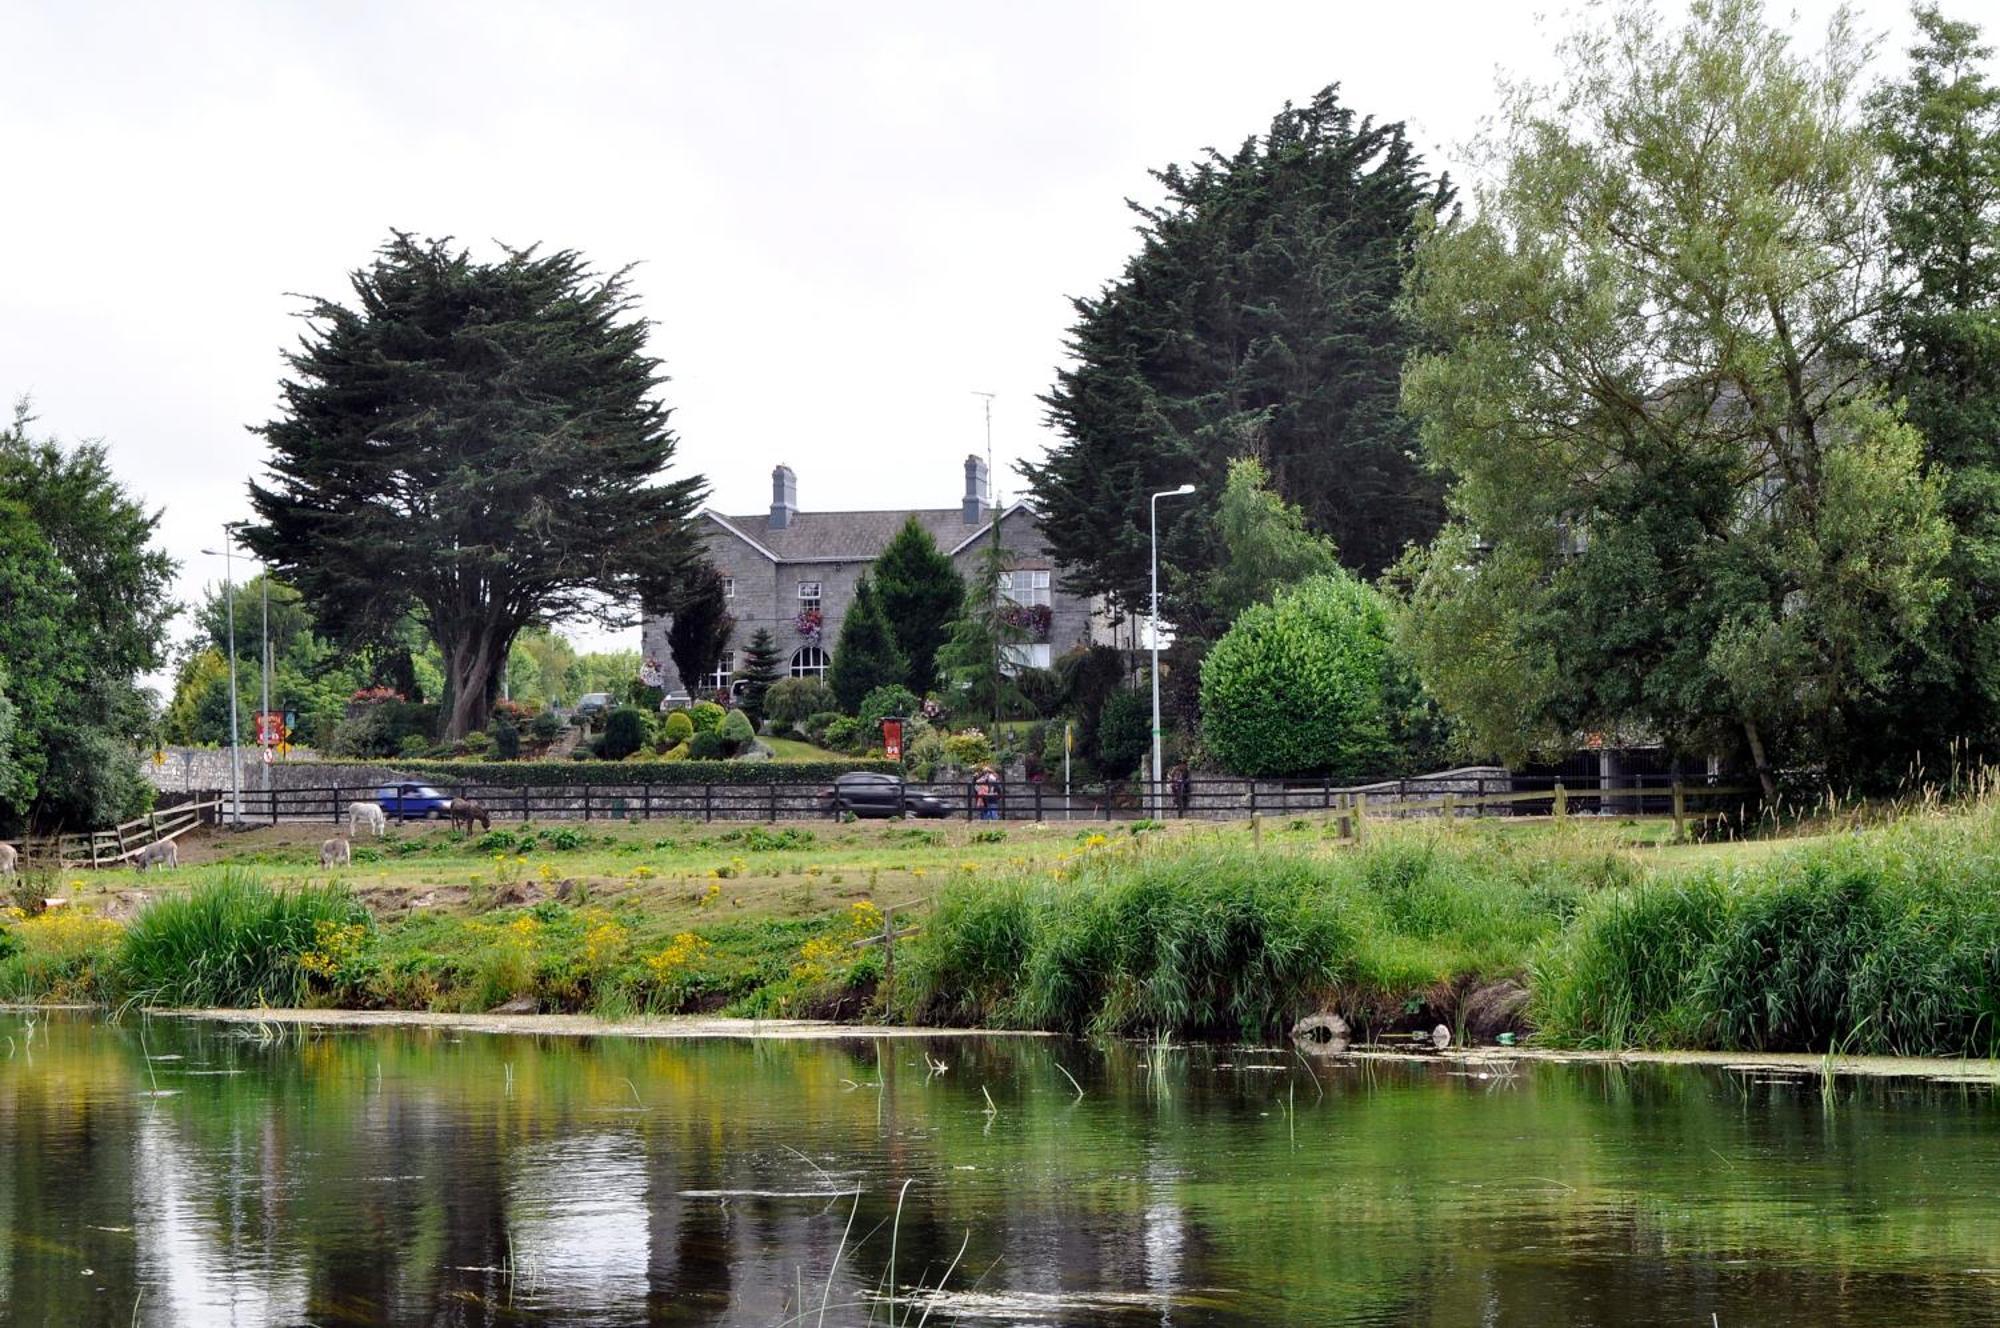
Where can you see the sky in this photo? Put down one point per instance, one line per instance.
(845, 220)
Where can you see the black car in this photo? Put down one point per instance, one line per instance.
(866, 793)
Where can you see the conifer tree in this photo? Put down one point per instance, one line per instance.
(974, 657)
(760, 669)
(866, 655)
(920, 592)
(700, 625)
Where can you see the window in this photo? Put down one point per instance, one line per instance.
(1026, 586)
(729, 587)
(808, 594)
(725, 668)
(808, 662)
(1018, 657)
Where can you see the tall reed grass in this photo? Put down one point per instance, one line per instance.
(232, 941)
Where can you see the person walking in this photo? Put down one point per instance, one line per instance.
(986, 793)
(1182, 787)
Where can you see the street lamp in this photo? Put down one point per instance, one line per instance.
(235, 752)
(1183, 491)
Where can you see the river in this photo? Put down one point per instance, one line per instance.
(176, 1172)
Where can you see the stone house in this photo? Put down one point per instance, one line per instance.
(794, 572)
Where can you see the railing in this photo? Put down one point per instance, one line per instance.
(124, 842)
(1455, 795)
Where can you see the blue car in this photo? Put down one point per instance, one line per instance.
(404, 802)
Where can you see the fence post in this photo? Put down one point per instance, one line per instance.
(968, 800)
(1360, 814)
(1253, 798)
(586, 802)
(1329, 793)
(645, 802)
(1256, 832)
(1038, 800)
(1450, 808)
(707, 802)
(120, 832)
(1680, 811)
(1561, 801)
(271, 795)
(774, 802)
(336, 804)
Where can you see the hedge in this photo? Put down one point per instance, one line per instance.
(556, 774)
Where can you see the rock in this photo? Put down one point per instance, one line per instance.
(1325, 1029)
(519, 1005)
(757, 752)
(1499, 1007)
(125, 905)
(510, 896)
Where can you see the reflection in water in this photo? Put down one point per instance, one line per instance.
(414, 1176)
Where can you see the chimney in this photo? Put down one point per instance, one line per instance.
(784, 497)
(975, 491)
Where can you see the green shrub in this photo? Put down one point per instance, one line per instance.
(969, 749)
(792, 701)
(478, 744)
(816, 726)
(678, 728)
(1297, 686)
(1041, 689)
(883, 702)
(506, 741)
(414, 744)
(707, 747)
(1124, 732)
(736, 732)
(706, 716)
(843, 734)
(544, 727)
(233, 941)
(624, 734)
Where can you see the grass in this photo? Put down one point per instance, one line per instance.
(236, 941)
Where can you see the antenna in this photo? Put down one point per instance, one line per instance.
(992, 475)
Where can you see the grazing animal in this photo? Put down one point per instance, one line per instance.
(335, 852)
(464, 811)
(162, 854)
(10, 860)
(368, 814)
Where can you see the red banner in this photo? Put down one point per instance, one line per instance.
(892, 739)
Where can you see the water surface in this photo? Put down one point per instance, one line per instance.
(169, 1172)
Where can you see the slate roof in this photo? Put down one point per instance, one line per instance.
(849, 537)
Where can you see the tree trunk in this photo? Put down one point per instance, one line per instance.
(1764, 779)
(471, 664)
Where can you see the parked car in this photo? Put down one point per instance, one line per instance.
(591, 705)
(407, 802)
(868, 794)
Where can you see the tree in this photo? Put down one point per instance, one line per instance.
(1300, 685)
(1265, 543)
(1260, 315)
(919, 590)
(85, 612)
(1686, 508)
(700, 627)
(974, 657)
(866, 655)
(761, 669)
(477, 443)
(1940, 129)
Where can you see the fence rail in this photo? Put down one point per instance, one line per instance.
(1203, 799)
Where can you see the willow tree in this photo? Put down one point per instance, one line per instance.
(1685, 507)
(481, 444)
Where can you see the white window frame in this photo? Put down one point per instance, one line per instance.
(729, 587)
(809, 661)
(725, 669)
(809, 594)
(1022, 655)
(1027, 586)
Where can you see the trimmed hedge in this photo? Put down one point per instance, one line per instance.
(555, 774)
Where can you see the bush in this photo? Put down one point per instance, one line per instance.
(924, 753)
(706, 716)
(506, 741)
(969, 749)
(677, 729)
(843, 734)
(233, 941)
(624, 734)
(736, 732)
(707, 747)
(414, 744)
(1124, 732)
(475, 775)
(544, 727)
(1042, 690)
(816, 726)
(1297, 686)
(382, 728)
(792, 701)
(477, 744)
(883, 702)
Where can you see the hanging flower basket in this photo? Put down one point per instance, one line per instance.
(809, 625)
(1038, 620)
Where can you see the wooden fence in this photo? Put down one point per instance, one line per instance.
(125, 842)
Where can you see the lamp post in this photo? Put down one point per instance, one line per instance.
(235, 753)
(1184, 490)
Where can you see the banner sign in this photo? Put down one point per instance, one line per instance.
(892, 739)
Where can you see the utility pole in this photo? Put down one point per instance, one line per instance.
(993, 589)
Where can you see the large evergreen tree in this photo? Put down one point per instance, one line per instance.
(1940, 127)
(866, 656)
(479, 443)
(700, 625)
(1259, 316)
(761, 667)
(920, 592)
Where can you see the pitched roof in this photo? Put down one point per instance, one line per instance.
(848, 537)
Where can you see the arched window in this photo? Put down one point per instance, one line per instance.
(808, 662)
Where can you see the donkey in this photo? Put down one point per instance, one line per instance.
(163, 853)
(335, 853)
(368, 814)
(464, 811)
(10, 860)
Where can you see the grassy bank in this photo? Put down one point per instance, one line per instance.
(1880, 940)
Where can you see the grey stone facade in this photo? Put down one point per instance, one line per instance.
(769, 556)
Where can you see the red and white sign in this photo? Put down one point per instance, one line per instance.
(270, 726)
(892, 739)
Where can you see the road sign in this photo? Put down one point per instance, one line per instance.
(270, 728)
(267, 756)
(159, 757)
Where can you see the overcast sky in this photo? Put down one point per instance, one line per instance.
(847, 219)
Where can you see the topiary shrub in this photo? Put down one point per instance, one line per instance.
(1296, 686)
(816, 726)
(678, 728)
(706, 716)
(790, 703)
(736, 732)
(883, 702)
(624, 733)
(544, 727)
(1124, 732)
(477, 744)
(506, 741)
(706, 747)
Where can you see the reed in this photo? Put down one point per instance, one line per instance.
(232, 941)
